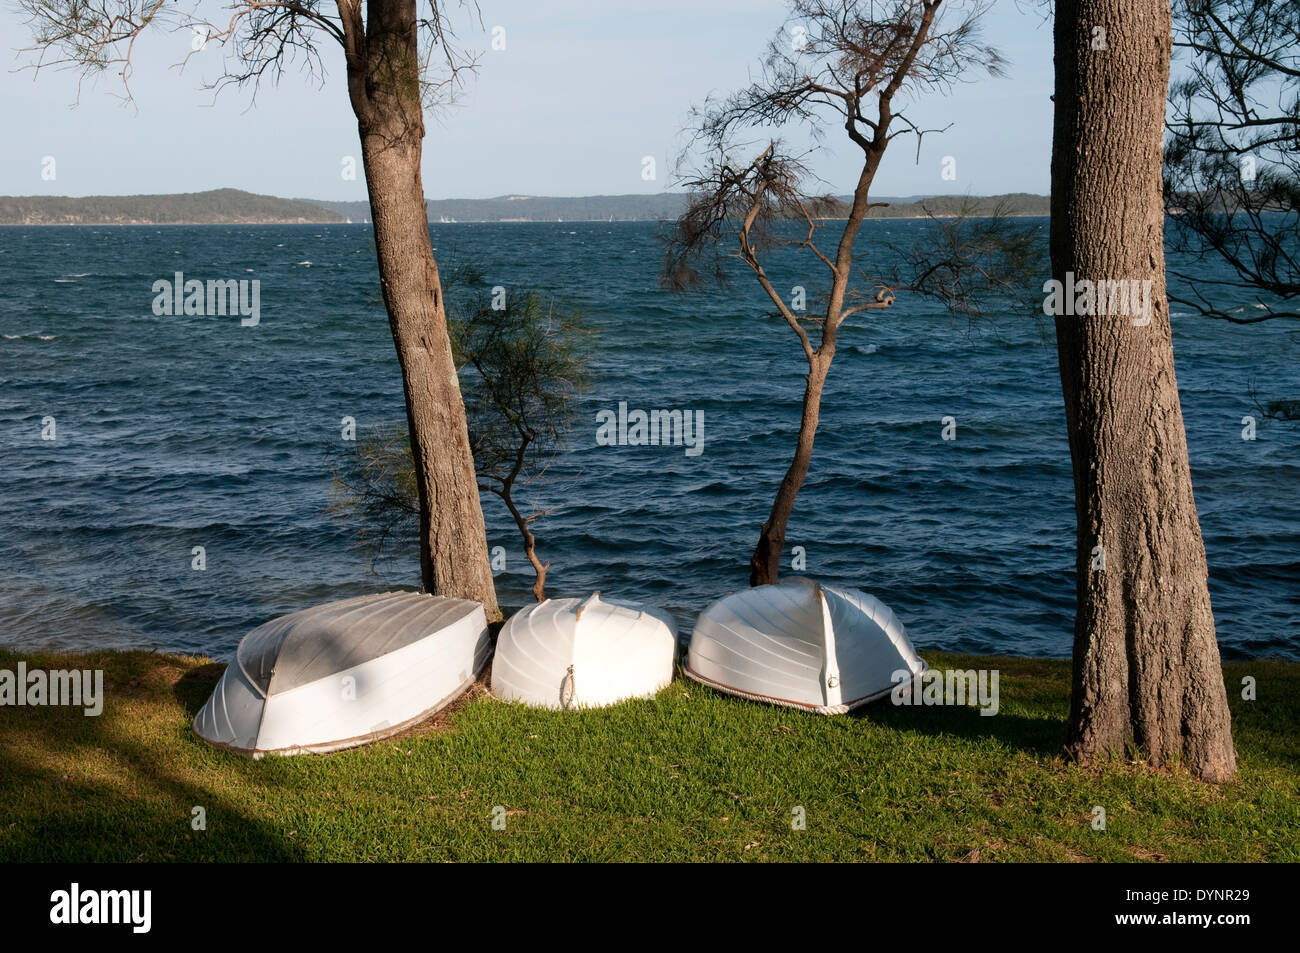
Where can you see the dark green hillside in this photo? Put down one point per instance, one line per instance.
(217, 207)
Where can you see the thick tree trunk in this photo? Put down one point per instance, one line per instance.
(1146, 663)
(765, 564)
(383, 81)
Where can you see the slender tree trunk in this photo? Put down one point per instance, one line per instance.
(530, 544)
(1146, 663)
(765, 564)
(383, 81)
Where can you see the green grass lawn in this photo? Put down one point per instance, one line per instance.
(690, 775)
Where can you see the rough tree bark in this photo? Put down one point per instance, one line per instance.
(383, 84)
(1146, 664)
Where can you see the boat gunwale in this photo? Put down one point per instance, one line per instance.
(329, 747)
(840, 709)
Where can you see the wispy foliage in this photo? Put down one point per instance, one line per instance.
(975, 263)
(523, 366)
(261, 39)
(835, 65)
(1232, 159)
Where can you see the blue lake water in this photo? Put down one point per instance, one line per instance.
(176, 432)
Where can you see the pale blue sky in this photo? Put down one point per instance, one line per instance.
(581, 93)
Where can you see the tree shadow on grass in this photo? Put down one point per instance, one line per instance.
(1041, 737)
(1264, 729)
(193, 689)
(124, 785)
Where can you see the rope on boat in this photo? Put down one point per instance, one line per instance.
(568, 690)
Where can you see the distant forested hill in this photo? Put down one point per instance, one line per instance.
(218, 207)
(942, 206)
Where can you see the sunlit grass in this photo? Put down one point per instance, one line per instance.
(690, 775)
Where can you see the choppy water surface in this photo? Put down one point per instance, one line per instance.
(176, 432)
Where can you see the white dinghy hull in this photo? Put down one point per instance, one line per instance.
(802, 645)
(584, 653)
(345, 673)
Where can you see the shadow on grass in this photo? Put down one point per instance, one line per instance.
(193, 689)
(123, 785)
(1041, 737)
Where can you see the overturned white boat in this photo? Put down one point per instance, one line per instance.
(345, 673)
(802, 644)
(584, 653)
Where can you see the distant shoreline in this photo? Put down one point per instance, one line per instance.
(470, 221)
(466, 221)
(236, 207)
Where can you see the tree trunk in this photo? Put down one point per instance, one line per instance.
(1146, 663)
(765, 564)
(383, 81)
(530, 545)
